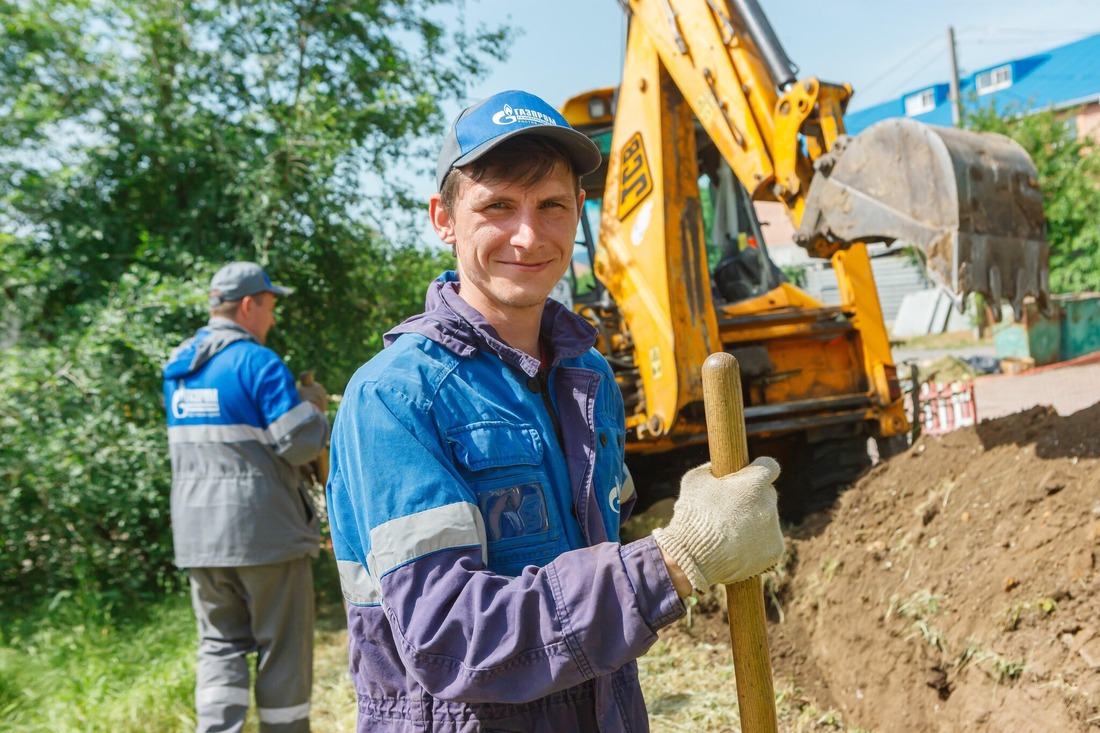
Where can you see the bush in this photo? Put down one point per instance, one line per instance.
(83, 451)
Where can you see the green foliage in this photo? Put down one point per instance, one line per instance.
(1069, 176)
(83, 456)
(795, 274)
(142, 146)
(179, 136)
(88, 675)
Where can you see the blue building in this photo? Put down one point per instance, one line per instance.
(1065, 78)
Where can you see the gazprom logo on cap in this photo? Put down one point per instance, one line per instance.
(510, 115)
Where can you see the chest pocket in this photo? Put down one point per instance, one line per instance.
(503, 465)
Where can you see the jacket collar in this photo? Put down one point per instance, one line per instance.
(210, 341)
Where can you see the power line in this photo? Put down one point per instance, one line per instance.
(930, 62)
(1025, 32)
(1003, 36)
(920, 49)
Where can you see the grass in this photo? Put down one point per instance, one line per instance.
(73, 667)
(922, 605)
(947, 340)
(1020, 610)
(138, 676)
(68, 671)
(692, 688)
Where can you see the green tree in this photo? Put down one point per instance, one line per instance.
(143, 145)
(1069, 176)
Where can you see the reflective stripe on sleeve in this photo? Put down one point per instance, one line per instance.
(274, 716)
(291, 419)
(357, 584)
(406, 538)
(217, 434)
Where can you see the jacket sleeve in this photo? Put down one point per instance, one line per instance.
(299, 430)
(407, 524)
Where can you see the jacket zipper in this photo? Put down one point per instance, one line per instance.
(544, 390)
(542, 385)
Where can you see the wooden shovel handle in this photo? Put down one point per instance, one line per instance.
(321, 462)
(729, 453)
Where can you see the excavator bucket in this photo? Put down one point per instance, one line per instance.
(968, 201)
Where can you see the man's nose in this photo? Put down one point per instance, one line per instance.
(525, 232)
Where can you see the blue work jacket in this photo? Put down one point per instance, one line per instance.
(237, 432)
(475, 504)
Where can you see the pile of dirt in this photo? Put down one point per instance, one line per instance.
(955, 587)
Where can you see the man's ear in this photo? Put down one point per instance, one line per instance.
(442, 221)
(249, 303)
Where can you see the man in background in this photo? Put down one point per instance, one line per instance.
(243, 523)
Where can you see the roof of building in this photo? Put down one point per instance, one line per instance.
(1065, 76)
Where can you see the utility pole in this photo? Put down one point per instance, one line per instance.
(956, 104)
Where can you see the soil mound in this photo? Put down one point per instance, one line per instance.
(955, 586)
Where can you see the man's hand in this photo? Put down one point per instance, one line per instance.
(724, 530)
(314, 392)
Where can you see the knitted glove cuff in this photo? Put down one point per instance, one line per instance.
(671, 541)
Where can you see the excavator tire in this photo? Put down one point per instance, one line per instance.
(815, 469)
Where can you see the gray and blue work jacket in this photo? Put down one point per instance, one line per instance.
(237, 432)
(475, 502)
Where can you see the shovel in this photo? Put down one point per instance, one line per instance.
(320, 465)
(729, 453)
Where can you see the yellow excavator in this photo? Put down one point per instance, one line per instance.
(671, 263)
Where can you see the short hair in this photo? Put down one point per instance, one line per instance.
(525, 160)
(226, 308)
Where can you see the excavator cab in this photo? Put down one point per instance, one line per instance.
(737, 253)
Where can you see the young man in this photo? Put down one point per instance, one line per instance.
(478, 484)
(242, 521)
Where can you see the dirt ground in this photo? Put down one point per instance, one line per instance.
(954, 587)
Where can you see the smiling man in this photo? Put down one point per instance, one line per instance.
(478, 484)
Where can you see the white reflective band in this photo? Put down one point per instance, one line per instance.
(217, 434)
(211, 697)
(357, 584)
(290, 420)
(628, 486)
(441, 528)
(284, 715)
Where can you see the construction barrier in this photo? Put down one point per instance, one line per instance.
(946, 407)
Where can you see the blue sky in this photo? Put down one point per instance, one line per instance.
(882, 47)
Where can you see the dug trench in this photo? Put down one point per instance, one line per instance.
(954, 587)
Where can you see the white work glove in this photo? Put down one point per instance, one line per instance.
(315, 393)
(724, 530)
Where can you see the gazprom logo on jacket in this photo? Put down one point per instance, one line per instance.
(195, 403)
(613, 498)
(510, 115)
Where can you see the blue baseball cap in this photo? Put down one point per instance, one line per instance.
(481, 127)
(238, 279)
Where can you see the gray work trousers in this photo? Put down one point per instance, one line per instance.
(267, 609)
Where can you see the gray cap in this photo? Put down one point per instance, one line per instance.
(481, 127)
(238, 279)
